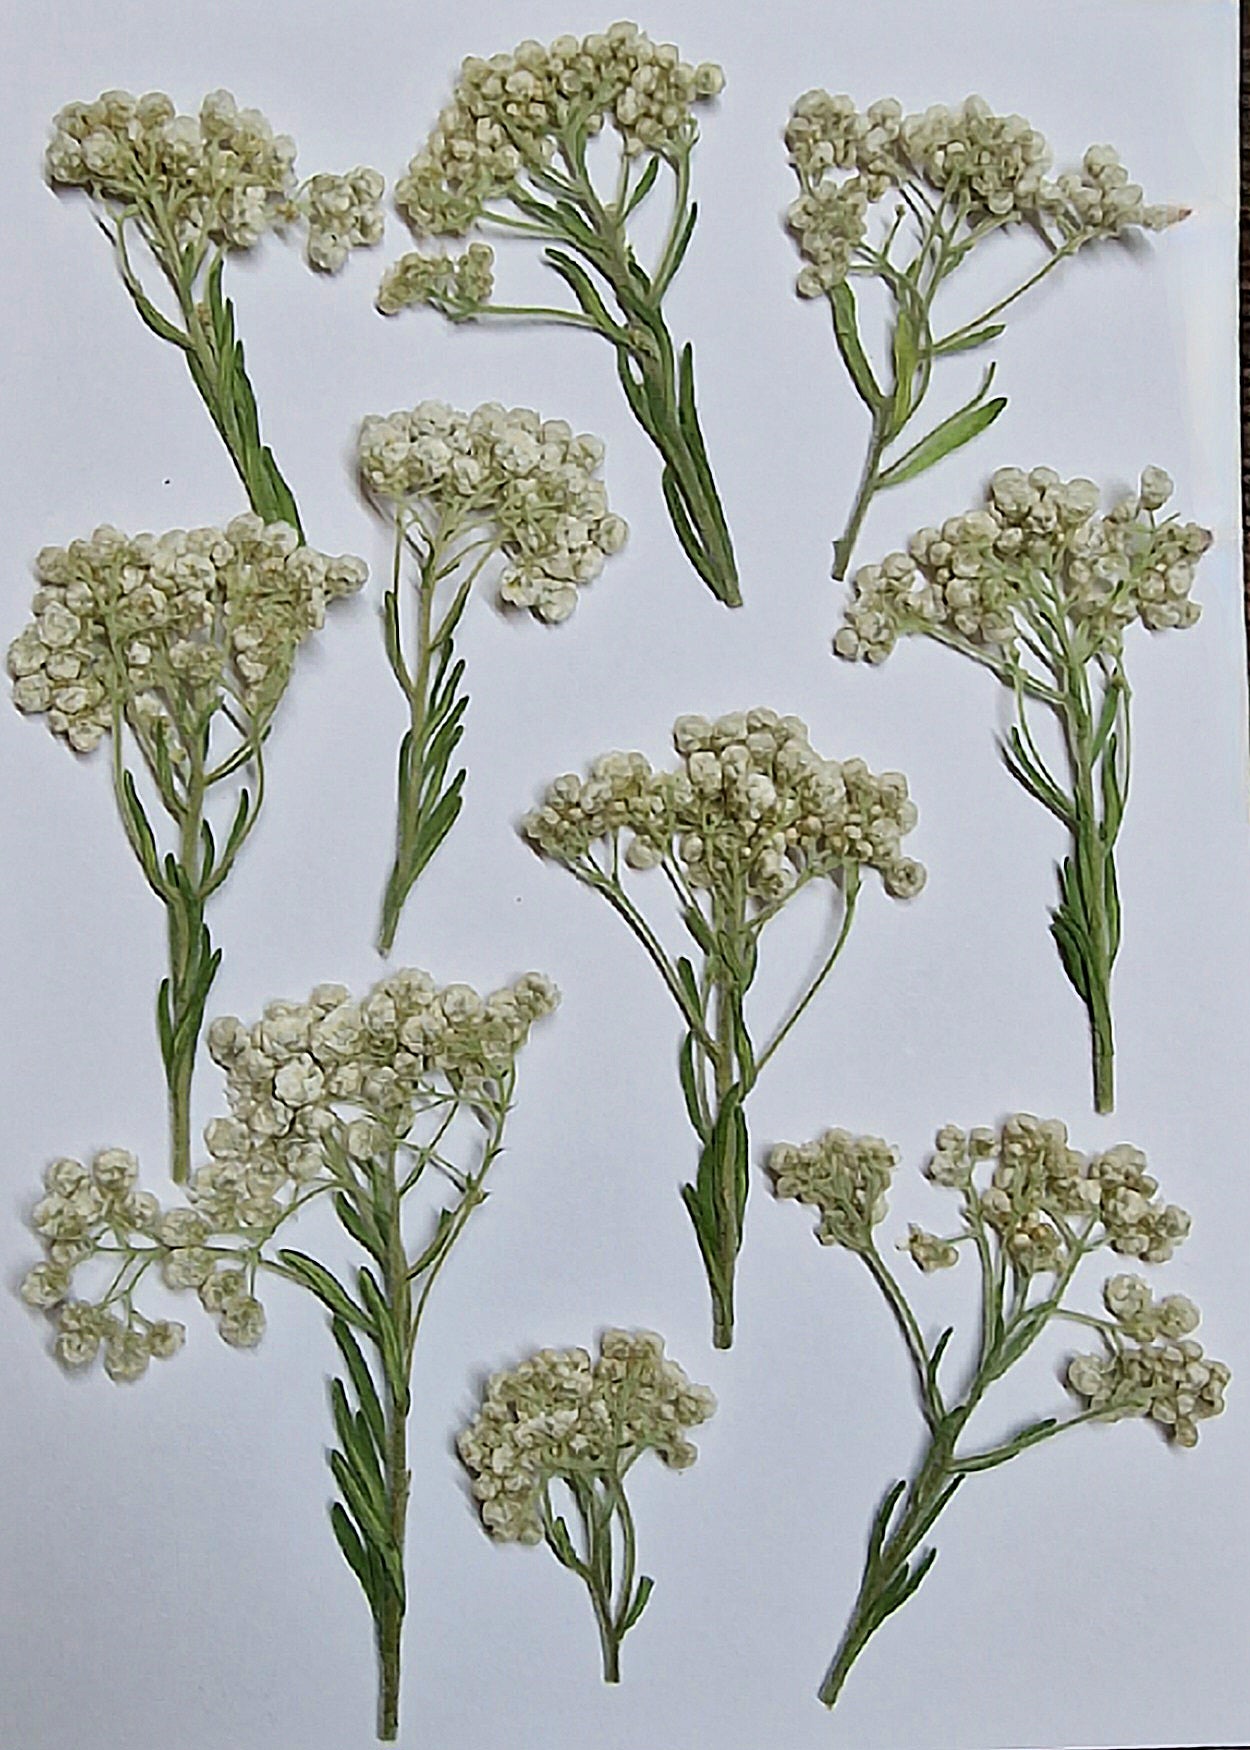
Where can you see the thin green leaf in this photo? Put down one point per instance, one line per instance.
(363, 1230)
(690, 1088)
(348, 1540)
(327, 1288)
(362, 1381)
(966, 342)
(642, 188)
(952, 434)
(646, 1586)
(846, 333)
(357, 1443)
(388, 1339)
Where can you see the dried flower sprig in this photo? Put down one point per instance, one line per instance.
(1032, 1210)
(951, 177)
(181, 646)
(510, 153)
(361, 1103)
(1040, 589)
(461, 490)
(751, 815)
(193, 190)
(560, 1417)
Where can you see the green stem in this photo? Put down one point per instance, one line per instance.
(192, 967)
(396, 1475)
(844, 546)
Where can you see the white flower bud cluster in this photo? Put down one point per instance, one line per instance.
(560, 1414)
(976, 577)
(532, 483)
(928, 1251)
(847, 1178)
(289, 1076)
(343, 213)
(458, 286)
(1173, 1383)
(751, 802)
(994, 164)
(506, 111)
(150, 625)
(84, 1208)
(220, 177)
(1139, 1315)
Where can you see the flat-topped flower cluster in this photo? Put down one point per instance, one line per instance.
(978, 578)
(531, 484)
(990, 168)
(510, 112)
(751, 799)
(562, 1414)
(159, 627)
(221, 177)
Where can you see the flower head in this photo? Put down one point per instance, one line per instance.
(530, 485)
(158, 627)
(845, 1177)
(560, 1414)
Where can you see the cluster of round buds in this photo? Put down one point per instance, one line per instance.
(928, 1251)
(752, 805)
(221, 177)
(345, 1074)
(507, 112)
(530, 485)
(991, 167)
(847, 1178)
(155, 626)
(976, 578)
(1143, 1318)
(1172, 1382)
(458, 286)
(560, 1414)
(84, 1209)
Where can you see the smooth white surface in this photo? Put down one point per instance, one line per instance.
(168, 1574)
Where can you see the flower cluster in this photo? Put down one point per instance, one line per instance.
(156, 626)
(289, 1073)
(86, 1209)
(222, 177)
(750, 800)
(1139, 1315)
(530, 482)
(991, 168)
(458, 286)
(847, 1178)
(560, 1414)
(976, 579)
(507, 113)
(1172, 1382)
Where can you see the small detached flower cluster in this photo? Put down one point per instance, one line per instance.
(458, 286)
(222, 177)
(975, 579)
(751, 799)
(157, 626)
(510, 112)
(991, 167)
(407, 1045)
(531, 482)
(560, 1414)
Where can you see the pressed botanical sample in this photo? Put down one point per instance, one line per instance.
(946, 179)
(751, 815)
(178, 646)
(1031, 1211)
(191, 191)
(561, 1418)
(513, 154)
(462, 490)
(1040, 589)
(365, 1105)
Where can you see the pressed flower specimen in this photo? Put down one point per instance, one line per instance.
(510, 156)
(462, 489)
(363, 1104)
(560, 1418)
(751, 815)
(1031, 1211)
(178, 646)
(1040, 589)
(949, 178)
(192, 190)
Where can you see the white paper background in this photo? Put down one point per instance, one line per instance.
(168, 1575)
